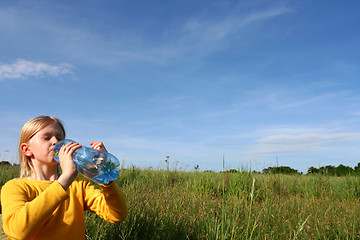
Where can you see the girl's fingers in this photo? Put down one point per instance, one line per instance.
(69, 148)
(98, 146)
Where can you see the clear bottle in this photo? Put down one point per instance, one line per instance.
(97, 165)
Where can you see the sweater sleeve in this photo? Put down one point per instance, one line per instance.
(109, 203)
(23, 216)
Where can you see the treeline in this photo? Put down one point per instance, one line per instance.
(340, 170)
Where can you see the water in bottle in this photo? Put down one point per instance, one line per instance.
(97, 165)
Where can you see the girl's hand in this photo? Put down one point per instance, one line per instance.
(98, 146)
(69, 171)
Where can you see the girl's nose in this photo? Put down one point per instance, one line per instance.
(54, 141)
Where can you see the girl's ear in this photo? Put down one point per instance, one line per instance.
(24, 147)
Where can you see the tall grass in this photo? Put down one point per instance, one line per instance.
(209, 205)
(183, 205)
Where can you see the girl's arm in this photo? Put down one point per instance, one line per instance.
(69, 171)
(24, 214)
(110, 204)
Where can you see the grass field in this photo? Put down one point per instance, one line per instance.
(208, 205)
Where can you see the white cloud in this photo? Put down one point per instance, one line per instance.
(287, 139)
(202, 36)
(265, 15)
(23, 68)
(282, 102)
(221, 28)
(301, 143)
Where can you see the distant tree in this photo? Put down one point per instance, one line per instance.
(342, 170)
(281, 169)
(5, 163)
(313, 170)
(327, 170)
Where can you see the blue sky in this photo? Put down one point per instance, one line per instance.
(257, 83)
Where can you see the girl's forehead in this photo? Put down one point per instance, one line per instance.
(52, 128)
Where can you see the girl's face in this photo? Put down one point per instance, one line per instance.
(41, 145)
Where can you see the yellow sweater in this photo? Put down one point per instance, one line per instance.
(33, 209)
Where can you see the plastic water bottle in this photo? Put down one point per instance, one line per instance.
(97, 165)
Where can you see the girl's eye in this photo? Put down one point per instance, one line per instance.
(48, 137)
(59, 137)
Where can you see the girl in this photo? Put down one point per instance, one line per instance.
(44, 204)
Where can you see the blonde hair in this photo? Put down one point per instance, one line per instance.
(29, 129)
